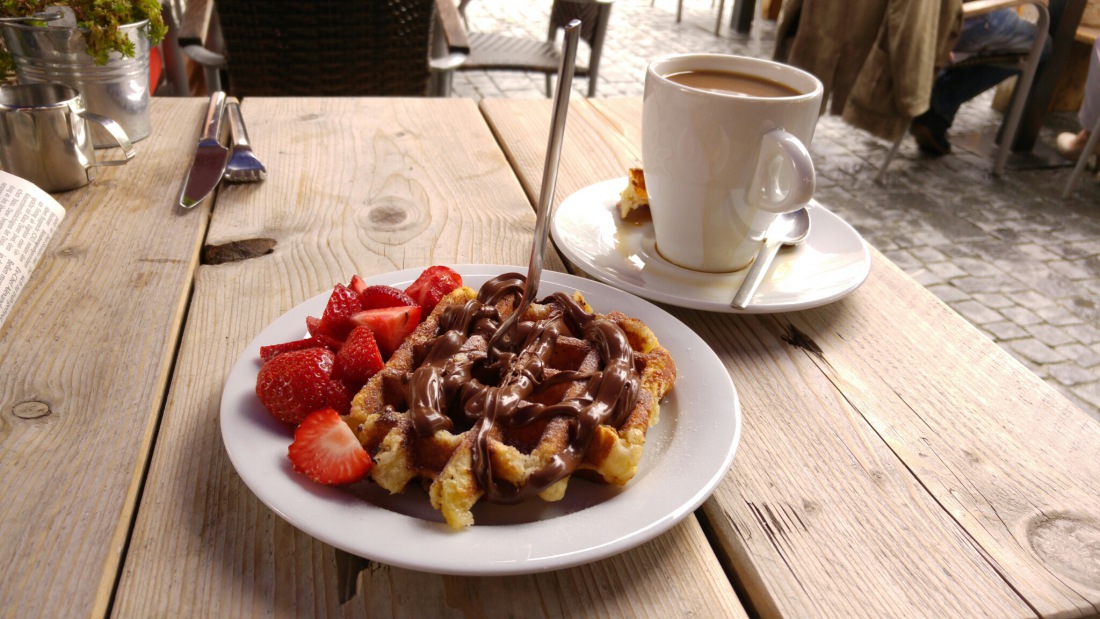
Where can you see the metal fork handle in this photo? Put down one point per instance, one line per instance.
(553, 158)
(237, 130)
(549, 182)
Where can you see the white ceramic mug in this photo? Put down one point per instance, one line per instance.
(720, 166)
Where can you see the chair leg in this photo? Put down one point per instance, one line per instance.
(889, 157)
(679, 10)
(1023, 88)
(549, 86)
(718, 22)
(1094, 137)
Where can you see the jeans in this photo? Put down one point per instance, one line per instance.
(1090, 106)
(998, 32)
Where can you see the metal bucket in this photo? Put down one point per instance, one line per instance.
(118, 90)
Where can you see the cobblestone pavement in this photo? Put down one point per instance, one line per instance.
(1008, 253)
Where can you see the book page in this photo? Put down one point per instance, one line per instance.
(28, 219)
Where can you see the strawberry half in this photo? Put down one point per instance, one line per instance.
(359, 357)
(374, 297)
(342, 303)
(269, 352)
(296, 383)
(327, 451)
(432, 285)
(357, 285)
(313, 326)
(391, 325)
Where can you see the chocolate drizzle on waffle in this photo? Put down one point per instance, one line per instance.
(491, 389)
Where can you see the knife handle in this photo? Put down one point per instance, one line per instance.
(212, 126)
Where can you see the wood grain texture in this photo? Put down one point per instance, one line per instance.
(367, 186)
(894, 462)
(84, 363)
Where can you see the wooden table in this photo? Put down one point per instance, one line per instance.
(893, 461)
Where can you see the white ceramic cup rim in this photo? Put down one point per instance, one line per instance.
(804, 83)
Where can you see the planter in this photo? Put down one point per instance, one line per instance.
(118, 90)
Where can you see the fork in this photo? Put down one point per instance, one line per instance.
(243, 166)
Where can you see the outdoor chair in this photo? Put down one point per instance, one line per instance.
(327, 48)
(680, 12)
(493, 51)
(1025, 64)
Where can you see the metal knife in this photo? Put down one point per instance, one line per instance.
(210, 156)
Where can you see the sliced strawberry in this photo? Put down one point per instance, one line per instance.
(342, 303)
(269, 352)
(327, 451)
(432, 285)
(390, 325)
(313, 326)
(359, 358)
(357, 285)
(296, 383)
(374, 297)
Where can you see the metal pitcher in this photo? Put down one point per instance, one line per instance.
(44, 136)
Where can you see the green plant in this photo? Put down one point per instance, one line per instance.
(100, 19)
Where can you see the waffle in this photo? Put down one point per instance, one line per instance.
(634, 196)
(471, 418)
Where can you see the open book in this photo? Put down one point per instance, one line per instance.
(28, 219)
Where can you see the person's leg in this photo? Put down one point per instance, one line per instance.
(999, 32)
(996, 33)
(1090, 105)
(1071, 145)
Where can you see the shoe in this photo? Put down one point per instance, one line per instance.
(1071, 145)
(930, 132)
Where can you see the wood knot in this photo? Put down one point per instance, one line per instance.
(235, 251)
(31, 410)
(794, 337)
(394, 220)
(1069, 545)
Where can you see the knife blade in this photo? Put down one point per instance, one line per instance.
(208, 166)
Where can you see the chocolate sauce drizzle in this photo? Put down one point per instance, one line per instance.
(490, 388)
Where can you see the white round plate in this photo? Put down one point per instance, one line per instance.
(832, 262)
(686, 454)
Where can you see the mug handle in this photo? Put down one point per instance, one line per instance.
(764, 192)
(116, 132)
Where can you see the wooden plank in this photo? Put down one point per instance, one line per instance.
(367, 186)
(1086, 34)
(907, 466)
(92, 339)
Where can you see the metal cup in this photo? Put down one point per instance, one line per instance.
(44, 136)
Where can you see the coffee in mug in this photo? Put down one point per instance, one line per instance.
(727, 82)
(724, 152)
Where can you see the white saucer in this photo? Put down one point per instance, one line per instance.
(832, 262)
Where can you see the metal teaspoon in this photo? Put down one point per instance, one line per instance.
(549, 179)
(787, 229)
